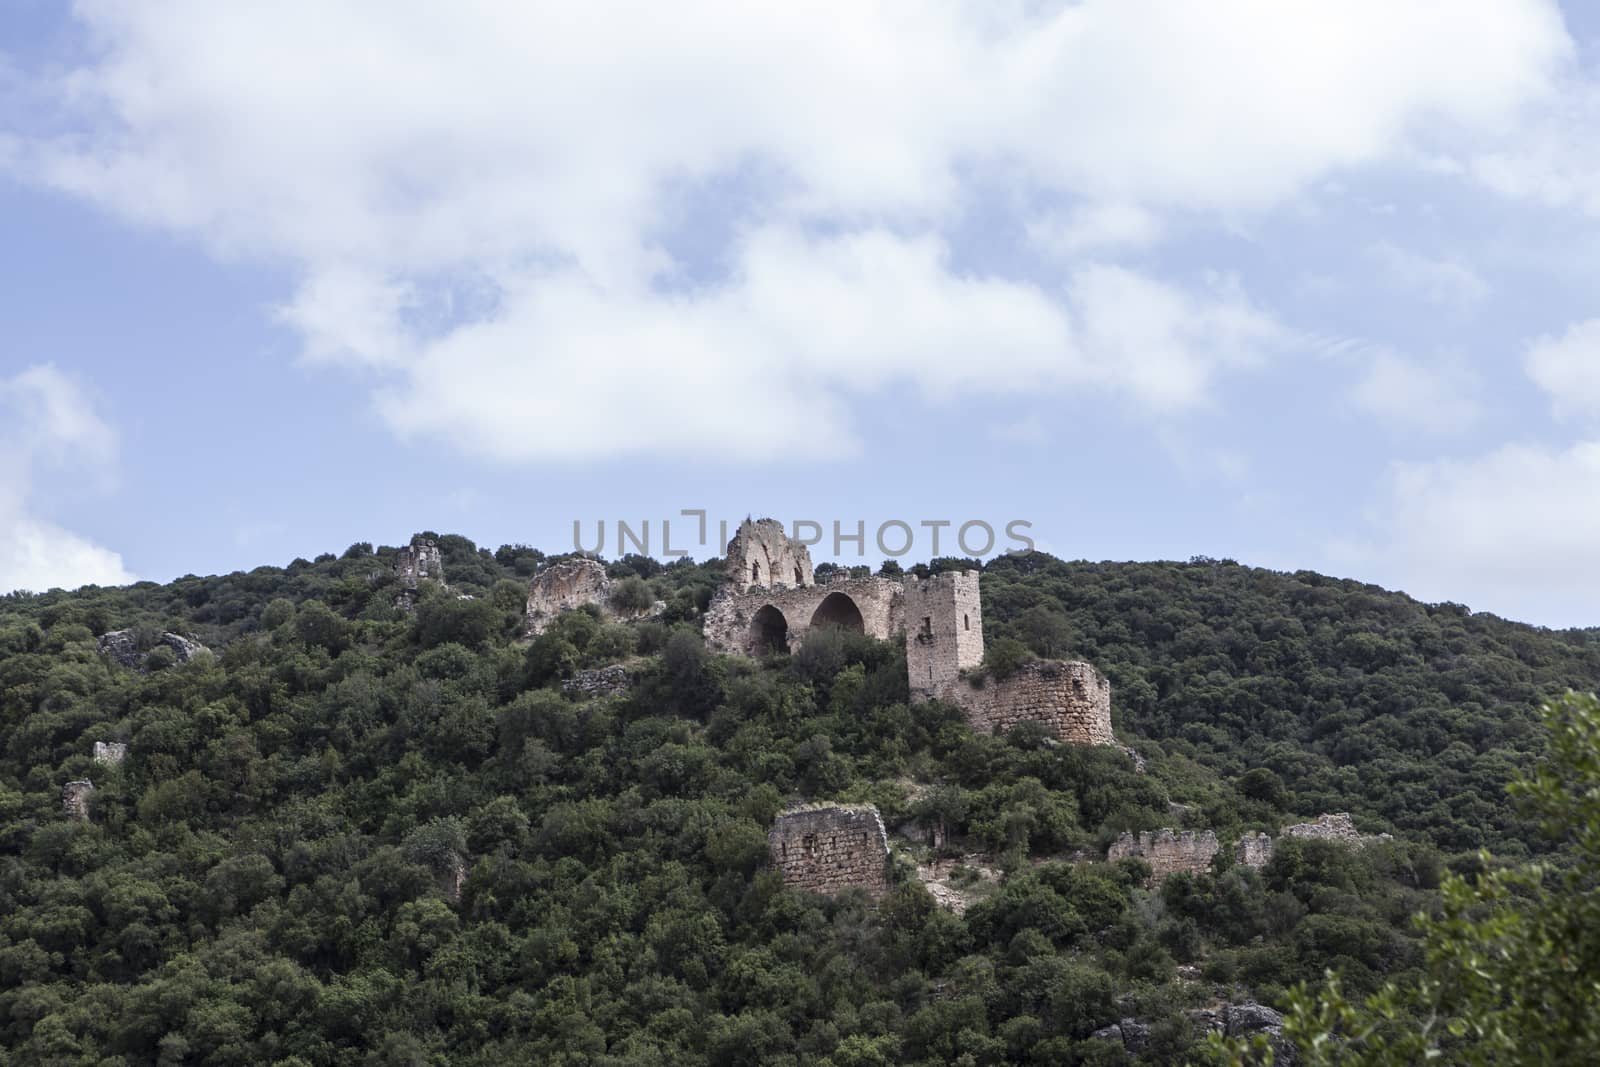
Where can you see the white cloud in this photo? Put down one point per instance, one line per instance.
(1094, 227)
(47, 423)
(536, 156)
(1443, 281)
(1554, 159)
(1410, 395)
(1515, 530)
(1568, 368)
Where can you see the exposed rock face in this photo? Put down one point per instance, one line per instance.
(565, 586)
(831, 848)
(761, 554)
(1336, 826)
(603, 681)
(75, 798)
(1072, 698)
(1242, 1020)
(1253, 850)
(110, 753)
(451, 877)
(123, 647)
(1167, 851)
(939, 879)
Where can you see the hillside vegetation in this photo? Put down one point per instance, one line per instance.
(267, 878)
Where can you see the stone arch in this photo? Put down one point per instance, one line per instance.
(769, 631)
(837, 609)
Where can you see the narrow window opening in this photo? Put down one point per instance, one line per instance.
(797, 579)
(966, 622)
(755, 572)
(808, 845)
(927, 625)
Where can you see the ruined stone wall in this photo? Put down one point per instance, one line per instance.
(1167, 851)
(565, 586)
(831, 848)
(75, 798)
(1253, 850)
(944, 630)
(419, 561)
(761, 554)
(602, 681)
(1335, 826)
(1072, 698)
(110, 753)
(729, 619)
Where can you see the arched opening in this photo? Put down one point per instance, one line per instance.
(769, 632)
(755, 573)
(798, 580)
(838, 609)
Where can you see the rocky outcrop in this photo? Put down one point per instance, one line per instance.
(1131, 1034)
(1249, 1018)
(122, 647)
(1253, 850)
(75, 799)
(830, 848)
(565, 586)
(603, 681)
(451, 876)
(1167, 851)
(110, 753)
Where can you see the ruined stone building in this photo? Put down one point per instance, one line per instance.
(830, 848)
(75, 798)
(772, 601)
(566, 585)
(1167, 851)
(110, 753)
(418, 562)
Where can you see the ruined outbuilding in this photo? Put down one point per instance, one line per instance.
(110, 753)
(75, 799)
(566, 585)
(1253, 850)
(830, 848)
(1334, 826)
(1167, 851)
(418, 562)
(772, 602)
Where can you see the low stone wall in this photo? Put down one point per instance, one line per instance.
(1167, 851)
(831, 848)
(1334, 826)
(1072, 698)
(604, 681)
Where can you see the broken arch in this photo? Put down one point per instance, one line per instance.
(837, 609)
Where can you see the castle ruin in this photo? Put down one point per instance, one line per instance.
(566, 585)
(772, 601)
(75, 799)
(418, 562)
(1167, 851)
(830, 848)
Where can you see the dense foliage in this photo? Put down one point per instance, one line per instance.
(268, 877)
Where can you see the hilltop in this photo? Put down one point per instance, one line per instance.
(372, 818)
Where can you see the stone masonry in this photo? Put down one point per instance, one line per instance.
(600, 682)
(419, 561)
(1072, 698)
(761, 554)
(110, 753)
(778, 619)
(831, 848)
(1167, 851)
(565, 586)
(75, 798)
(1253, 850)
(1337, 826)
(944, 631)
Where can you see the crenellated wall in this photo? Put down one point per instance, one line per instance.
(831, 848)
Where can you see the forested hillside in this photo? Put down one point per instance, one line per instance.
(268, 877)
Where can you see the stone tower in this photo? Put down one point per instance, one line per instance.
(944, 631)
(761, 554)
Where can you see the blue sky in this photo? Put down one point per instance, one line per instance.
(1304, 285)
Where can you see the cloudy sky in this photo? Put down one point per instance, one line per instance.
(1307, 285)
